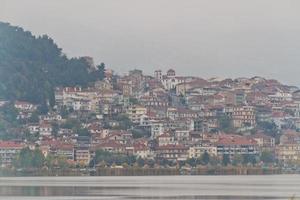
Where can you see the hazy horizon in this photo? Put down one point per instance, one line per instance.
(207, 38)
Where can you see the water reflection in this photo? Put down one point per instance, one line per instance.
(131, 188)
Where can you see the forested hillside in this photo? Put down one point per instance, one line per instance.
(31, 67)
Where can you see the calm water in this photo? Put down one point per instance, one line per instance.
(160, 187)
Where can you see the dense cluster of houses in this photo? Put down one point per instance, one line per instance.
(177, 117)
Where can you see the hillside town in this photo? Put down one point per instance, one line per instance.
(162, 120)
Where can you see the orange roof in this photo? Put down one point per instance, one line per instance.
(235, 140)
(10, 145)
(140, 147)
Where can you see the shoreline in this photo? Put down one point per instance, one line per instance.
(205, 171)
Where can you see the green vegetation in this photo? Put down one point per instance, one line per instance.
(30, 67)
(267, 157)
(225, 123)
(75, 125)
(205, 158)
(9, 113)
(225, 159)
(140, 132)
(31, 137)
(269, 128)
(107, 158)
(29, 159)
(133, 101)
(124, 122)
(9, 122)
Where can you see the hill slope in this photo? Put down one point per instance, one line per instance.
(30, 67)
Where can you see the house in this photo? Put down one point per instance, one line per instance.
(25, 106)
(290, 136)
(183, 88)
(166, 138)
(3, 103)
(288, 150)
(154, 101)
(82, 155)
(33, 128)
(45, 129)
(264, 141)
(243, 116)
(8, 152)
(103, 85)
(170, 80)
(77, 98)
(135, 113)
(141, 150)
(50, 117)
(280, 96)
(289, 154)
(172, 152)
(65, 151)
(197, 150)
(182, 134)
(111, 146)
(236, 145)
(157, 128)
(120, 136)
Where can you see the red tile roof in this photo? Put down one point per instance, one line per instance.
(235, 140)
(10, 145)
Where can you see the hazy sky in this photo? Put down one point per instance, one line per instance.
(225, 38)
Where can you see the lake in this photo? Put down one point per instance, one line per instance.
(151, 187)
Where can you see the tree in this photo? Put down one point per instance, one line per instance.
(140, 162)
(214, 160)
(182, 100)
(150, 163)
(163, 162)
(38, 159)
(31, 67)
(270, 128)
(31, 137)
(9, 112)
(62, 162)
(226, 159)
(64, 111)
(83, 132)
(267, 157)
(34, 118)
(113, 158)
(131, 159)
(71, 124)
(205, 158)
(30, 159)
(2, 126)
(50, 161)
(99, 73)
(124, 122)
(55, 128)
(133, 101)
(249, 158)
(237, 159)
(139, 133)
(43, 108)
(192, 162)
(24, 159)
(225, 123)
